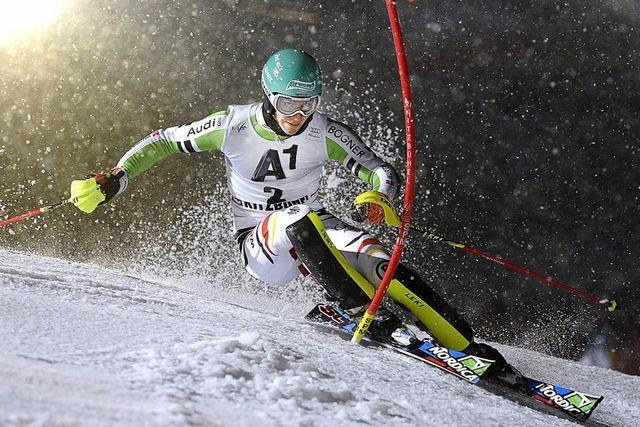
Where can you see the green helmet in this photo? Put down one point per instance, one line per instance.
(292, 72)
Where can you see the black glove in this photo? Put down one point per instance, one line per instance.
(112, 183)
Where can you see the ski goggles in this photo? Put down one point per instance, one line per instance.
(289, 106)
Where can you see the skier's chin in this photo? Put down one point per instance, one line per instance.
(290, 125)
(291, 129)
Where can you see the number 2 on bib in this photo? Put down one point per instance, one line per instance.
(277, 195)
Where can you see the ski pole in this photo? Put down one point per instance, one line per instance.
(32, 213)
(610, 304)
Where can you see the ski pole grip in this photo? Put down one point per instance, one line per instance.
(376, 198)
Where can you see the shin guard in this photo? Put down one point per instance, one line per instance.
(326, 264)
(443, 322)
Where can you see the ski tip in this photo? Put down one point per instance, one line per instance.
(577, 405)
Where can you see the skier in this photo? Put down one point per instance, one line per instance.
(274, 152)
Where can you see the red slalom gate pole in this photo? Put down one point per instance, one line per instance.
(32, 213)
(407, 100)
(610, 304)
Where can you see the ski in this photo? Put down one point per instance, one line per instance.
(561, 400)
(577, 405)
(464, 366)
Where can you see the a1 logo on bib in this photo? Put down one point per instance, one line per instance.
(270, 164)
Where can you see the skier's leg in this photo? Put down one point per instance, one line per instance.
(274, 250)
(266, 251)
(370, 258)
(326, 264)
(346, 261)
(408, 288)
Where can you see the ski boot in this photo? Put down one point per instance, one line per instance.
(404, 336)
(386, 326)
(501, 369)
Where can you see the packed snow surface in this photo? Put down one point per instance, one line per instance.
(86, 346)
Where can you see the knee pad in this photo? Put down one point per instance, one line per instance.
(291, 215)
(272, 230)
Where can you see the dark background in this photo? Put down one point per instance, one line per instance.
(527, 128)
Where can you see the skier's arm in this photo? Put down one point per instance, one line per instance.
(345, 146)
(204, 135)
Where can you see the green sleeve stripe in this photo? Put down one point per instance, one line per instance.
(219, 113)
(148, 156)
(211, 141)
(264, 133)
(369, 177)
(336, 152)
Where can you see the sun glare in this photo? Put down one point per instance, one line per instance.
(22, 17)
